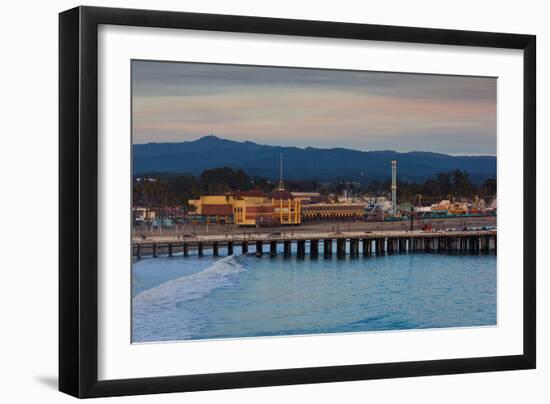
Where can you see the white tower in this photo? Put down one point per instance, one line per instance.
(394, 185)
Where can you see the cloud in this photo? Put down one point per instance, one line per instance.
(289, 106)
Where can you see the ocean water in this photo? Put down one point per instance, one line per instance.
(239, 296)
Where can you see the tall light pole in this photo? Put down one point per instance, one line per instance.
(394, 186)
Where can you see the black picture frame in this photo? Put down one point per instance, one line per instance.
(78, 201)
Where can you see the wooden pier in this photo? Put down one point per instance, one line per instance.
(352, 244)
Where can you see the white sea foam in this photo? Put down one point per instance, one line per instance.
(158, 313)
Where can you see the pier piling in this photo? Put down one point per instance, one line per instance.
(356, 242)
(301, 248)
(215, 249)
(366, 247)
(327, 249)
(229, 248)
(314, 248)
(402, 245)
(390, 246)
(259, 248)
(379, 243)
(340, 248)
(287, 248)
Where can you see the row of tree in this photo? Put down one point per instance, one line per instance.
(158, 191)
(455, 184)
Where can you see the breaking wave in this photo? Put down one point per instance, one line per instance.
(158, 313)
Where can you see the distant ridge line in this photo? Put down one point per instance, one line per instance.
(323, 164)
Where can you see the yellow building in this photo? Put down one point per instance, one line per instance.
(287, 209)
(214, 208)
(333, 211)
(249, 208)
(252, 208)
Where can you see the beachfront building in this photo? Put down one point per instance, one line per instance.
(252, 208)
(333, 212)
(249, 208)
(214, 208)
(287, 209)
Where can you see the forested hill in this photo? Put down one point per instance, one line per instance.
(302, 163)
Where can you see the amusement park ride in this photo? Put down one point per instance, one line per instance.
(424, 225)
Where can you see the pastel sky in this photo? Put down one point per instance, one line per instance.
(175, 102)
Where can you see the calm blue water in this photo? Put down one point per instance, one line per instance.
(243, 296)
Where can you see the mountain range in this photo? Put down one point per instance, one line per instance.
(208, 152)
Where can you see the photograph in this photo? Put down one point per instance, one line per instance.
(274, 201)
